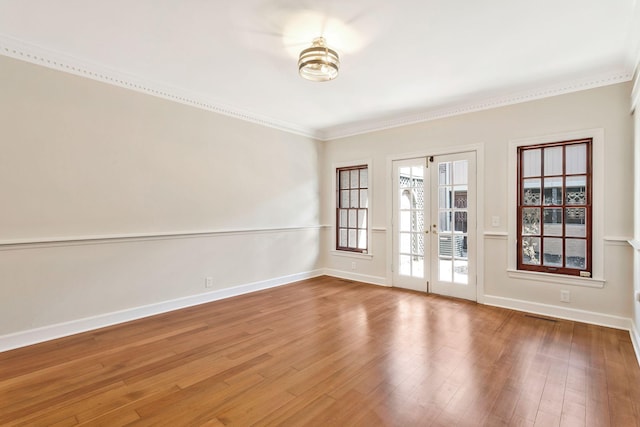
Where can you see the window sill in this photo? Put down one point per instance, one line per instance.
(556, 278)
(351, 254)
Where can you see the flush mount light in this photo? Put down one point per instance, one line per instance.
(318, 63)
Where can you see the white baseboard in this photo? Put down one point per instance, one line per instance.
(374, 280)
(583, 316)
(560, 312)
(46, 333)
(635, 339)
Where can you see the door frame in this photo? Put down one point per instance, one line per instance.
(478, 149)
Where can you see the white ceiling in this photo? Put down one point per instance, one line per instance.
(402, 61)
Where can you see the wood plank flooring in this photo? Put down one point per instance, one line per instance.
(328, 352)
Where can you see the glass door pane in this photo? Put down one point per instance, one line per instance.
(453, 225)
(411, 212)
(452, 221)
(410, 249)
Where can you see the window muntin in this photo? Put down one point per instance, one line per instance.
(554, 207)
(352, 212)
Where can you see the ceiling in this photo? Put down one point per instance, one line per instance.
(401, 62)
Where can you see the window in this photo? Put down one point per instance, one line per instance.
(554, 208)
(352, 208)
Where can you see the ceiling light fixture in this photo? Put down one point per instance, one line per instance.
(318, 63)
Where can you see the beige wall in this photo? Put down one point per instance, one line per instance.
(81, 159)
(492, 130)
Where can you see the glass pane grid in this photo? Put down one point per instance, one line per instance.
(411, 221)
(556, 235)
(452, 222)
(352, 212)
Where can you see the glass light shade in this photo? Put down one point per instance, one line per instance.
(318, 63)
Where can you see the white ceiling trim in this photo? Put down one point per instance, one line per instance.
(14, 48)
(473, 106)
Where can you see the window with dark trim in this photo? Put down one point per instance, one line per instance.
(554, 207)
(352, 212)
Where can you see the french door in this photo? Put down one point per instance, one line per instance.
(434, 224)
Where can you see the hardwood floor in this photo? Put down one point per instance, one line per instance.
(328, 352)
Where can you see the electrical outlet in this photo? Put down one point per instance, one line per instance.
(565, 296)
(208, 282)
(353, 265)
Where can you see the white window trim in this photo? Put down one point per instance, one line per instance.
(597, 227)
(350, 254)
(334, 243)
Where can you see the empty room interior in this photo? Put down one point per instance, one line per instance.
(275, 212)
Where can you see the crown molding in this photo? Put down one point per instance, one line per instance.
(24, 51)
(479, 104)
(18, 49)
